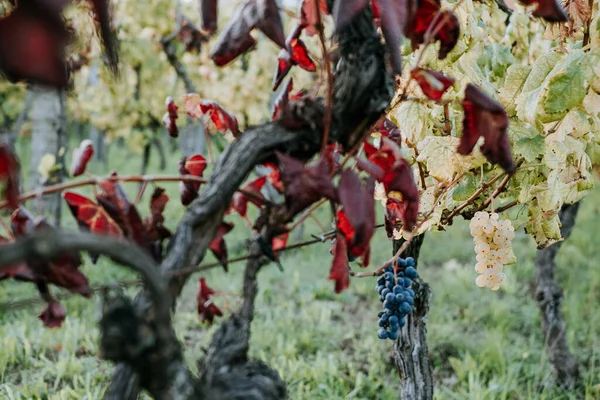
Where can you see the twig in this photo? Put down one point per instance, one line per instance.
(421, 172)
(472, 198)
(496, 192)
(327, 62)
(125, 178)
(6, 228)
(507, 206)
(307, 213)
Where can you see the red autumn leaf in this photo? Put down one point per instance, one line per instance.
(209, 15)
(279, 242)
(114, 200)
(300, 55)
(434, 84)
(158, 201)
(304, 184)
(170, 118)
(240, 201)
(282, 99)
(154, 224)
(61, 271)
(90, 216)
(448, 31)
(53, 315)
(375, 8)
(389, 167)
(446, 28)
(218, 246)
(223, 120)
(340, 267)
(387, 128)
(235, 39)
(485, 117)
(19, 271)
(358, 211)
(33, 39)
(195, 165)
(550, 10)
(424, 15)
(207, 310)
(284, 65)
(101, 12)
(81, 156)
(309, 17)
(9, 174)
(190, 36)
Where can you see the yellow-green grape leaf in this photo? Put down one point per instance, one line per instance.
(47, 163)
(513, 84)
(465, 188)
(566, 89)
(591, 103)
(530, 148)
(414, 119)
(428, 202)
(575, 124)
(540, 70)
(543, 227)
(441, 159)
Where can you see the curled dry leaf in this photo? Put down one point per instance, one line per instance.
(170, 118)
(239, 202)
(195, 165)
(550, 10)
(63, 270)
(90, 216)
(81, 156)
(389, 167)
(304, 184)
(340, 267)
(218, 246)
(281, 101)
(156, 231)
(114, 201)
(445, 28)
(309, 15)
(433, 84)
(223, 119)
(388, 129)
(53, 315)
(9, 175)
(207, 310)
(279, 242)
(485, 117)
(236, 39)
(357, 218)
(285, 61)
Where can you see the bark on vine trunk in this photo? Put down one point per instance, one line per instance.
(363, 89)
(411, 355)
(548, 296)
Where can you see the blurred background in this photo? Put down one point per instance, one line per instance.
(484, 345)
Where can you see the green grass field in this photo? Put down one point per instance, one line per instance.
(484, 345)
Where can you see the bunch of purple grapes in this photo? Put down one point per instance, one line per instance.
(397, 297)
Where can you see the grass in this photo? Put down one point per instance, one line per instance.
(484, 345)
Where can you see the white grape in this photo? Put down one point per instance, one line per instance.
(493, 247)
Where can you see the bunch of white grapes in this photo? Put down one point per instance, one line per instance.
(492, 238)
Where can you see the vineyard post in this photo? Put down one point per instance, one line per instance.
(410, 352)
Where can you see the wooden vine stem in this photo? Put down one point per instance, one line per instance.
(410, 353)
